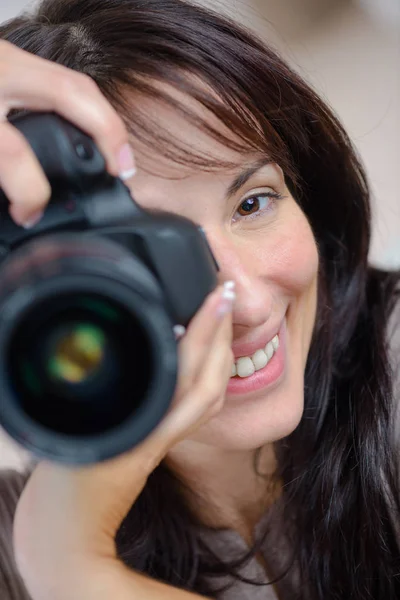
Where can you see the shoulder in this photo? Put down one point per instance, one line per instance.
(11, 485)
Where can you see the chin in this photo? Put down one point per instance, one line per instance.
(248, 424)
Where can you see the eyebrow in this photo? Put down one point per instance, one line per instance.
(245, 175)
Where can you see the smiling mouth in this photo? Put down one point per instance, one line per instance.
(246, 366)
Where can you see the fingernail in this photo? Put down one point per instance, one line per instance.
(179, 331)
(226, 303)
(34, 220)
(126, 162)
(229, 285)
(20, 220)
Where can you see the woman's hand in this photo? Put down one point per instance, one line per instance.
(30, 82)
(67, 518)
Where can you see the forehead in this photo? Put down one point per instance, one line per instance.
(178, 141)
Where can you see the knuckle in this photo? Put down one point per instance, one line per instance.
(72, 83)
(65, 84)
(84, 80)
(109, 125)
(112, 128)
(106, 129)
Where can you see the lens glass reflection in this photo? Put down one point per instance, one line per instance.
(77, 353)
(80, 363)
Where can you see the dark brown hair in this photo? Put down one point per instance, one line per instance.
(338, 467)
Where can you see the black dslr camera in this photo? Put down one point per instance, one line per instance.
(88, 301)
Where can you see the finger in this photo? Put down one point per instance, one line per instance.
(205, 397)
(38, 84)
(202, 330)
(216, 372)
(21, 176)
(195, 404)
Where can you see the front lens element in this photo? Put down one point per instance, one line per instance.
(80, 363)
(76, 353)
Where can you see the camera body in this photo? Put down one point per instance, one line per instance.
(94, 241)
(87, 199)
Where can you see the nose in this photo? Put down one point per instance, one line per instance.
(253, 305)
(254, 291)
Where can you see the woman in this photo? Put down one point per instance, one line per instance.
(275, 477)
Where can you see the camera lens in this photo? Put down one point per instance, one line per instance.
(80, 363)
(88, 360)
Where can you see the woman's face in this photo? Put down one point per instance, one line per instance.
(262, 241)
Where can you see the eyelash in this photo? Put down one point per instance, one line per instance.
(274, 196)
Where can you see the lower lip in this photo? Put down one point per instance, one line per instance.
(266, 377)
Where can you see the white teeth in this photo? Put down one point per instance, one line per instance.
(245, 366)
(275, 342)
(269, 350)
(260, 359)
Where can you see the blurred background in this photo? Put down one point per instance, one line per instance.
(349, 50)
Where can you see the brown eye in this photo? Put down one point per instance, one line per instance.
(253, 204)
(257, 205)
(249, 206)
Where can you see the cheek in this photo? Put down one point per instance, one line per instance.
(293, 257)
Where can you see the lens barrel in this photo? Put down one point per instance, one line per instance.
(88, 359)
